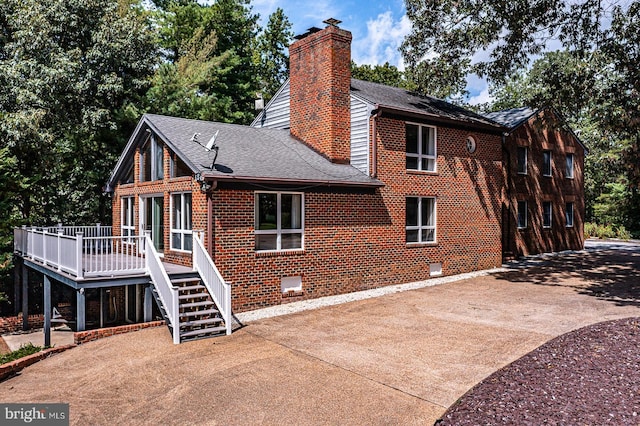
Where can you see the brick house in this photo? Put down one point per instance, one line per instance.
(338, 185)
(543, 160)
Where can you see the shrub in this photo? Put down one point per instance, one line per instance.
(23, 351)
(622, 233)
(590, 230)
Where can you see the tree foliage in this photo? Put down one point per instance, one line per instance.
(271, 53)
(384, 74)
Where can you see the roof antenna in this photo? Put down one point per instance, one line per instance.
(209, 147)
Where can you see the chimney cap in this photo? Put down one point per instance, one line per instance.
(310, 31)
(332, 22)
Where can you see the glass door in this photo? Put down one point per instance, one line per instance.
(153, 220)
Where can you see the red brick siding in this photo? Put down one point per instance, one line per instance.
(540, 134)
(320, 92)
(14, 324)
(356, 240)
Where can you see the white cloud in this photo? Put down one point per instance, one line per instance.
(382, 40)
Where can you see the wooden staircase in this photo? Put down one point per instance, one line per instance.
(199, 317)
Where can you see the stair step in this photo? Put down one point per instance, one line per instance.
(185, 280)
(191, 287)
(196, 313)
(193, 296)
(203, 331)
(196, 304)
(201, 322)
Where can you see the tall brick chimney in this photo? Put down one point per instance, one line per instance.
(320, 81)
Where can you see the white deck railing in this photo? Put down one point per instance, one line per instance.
(100, 254)
(166, 291)
(218, 288)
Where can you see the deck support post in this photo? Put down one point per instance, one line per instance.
(80, 310)
(148, 302)
(25, 298)
(47, 311)
(16, 285)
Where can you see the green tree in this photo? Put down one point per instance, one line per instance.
(384, 74)
(271, 53)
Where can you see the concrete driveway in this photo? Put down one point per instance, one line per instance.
(398, 359)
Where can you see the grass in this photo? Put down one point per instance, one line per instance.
(23, 351)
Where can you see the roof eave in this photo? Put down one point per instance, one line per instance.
(274, 180)
(489, 127)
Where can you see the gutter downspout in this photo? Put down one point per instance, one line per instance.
(210, 224)
(374, 146)
(509, 201)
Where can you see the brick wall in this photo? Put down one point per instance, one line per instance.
(14, 324)
(164, 188)
(544, 133)
(320, 80)
(80, 337)
(355, 240)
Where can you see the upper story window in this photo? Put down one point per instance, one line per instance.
(151, 160)
(420, 220)
(569, 168)
(181, 226)
(178, 168)
(569, 215)
(522, 160)
(279, 221)
(547, 214)
(421, 147)
(523, 214)
(546, 163)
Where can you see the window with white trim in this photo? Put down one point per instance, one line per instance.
(127, 224)
(522, 160)
(181, 227)
(420, 223)
(421, 147)
(523, 214)
(546, 163)
(547, 214)
(152, 160)
(569, 215)
(279, 221)
(569, 168)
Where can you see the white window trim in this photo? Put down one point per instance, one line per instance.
(570, 173)
(127, 227)
(526, 160)
(279, 231)
(550, 164)
(419, 227)
(420, 156)
(550, 215)
(573, 209)
(526, 214)
(183, 232)
(153, 154)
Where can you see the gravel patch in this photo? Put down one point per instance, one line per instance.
(588, 376)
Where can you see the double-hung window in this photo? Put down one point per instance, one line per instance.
(151, 160)
(569, 215)
(522, 160)
(421, 147)
(546, 163)
(522, 214)
(547, 214)
(279, 221)
(569, 168)
(420, 225)
(127, 225)
(181, 230)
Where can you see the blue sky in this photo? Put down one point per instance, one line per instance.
(378, 29)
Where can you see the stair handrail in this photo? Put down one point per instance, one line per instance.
(166, 291)
(219, 290)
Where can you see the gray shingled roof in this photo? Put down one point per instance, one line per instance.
(249, 153)
(511, 118)
(404, 100)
